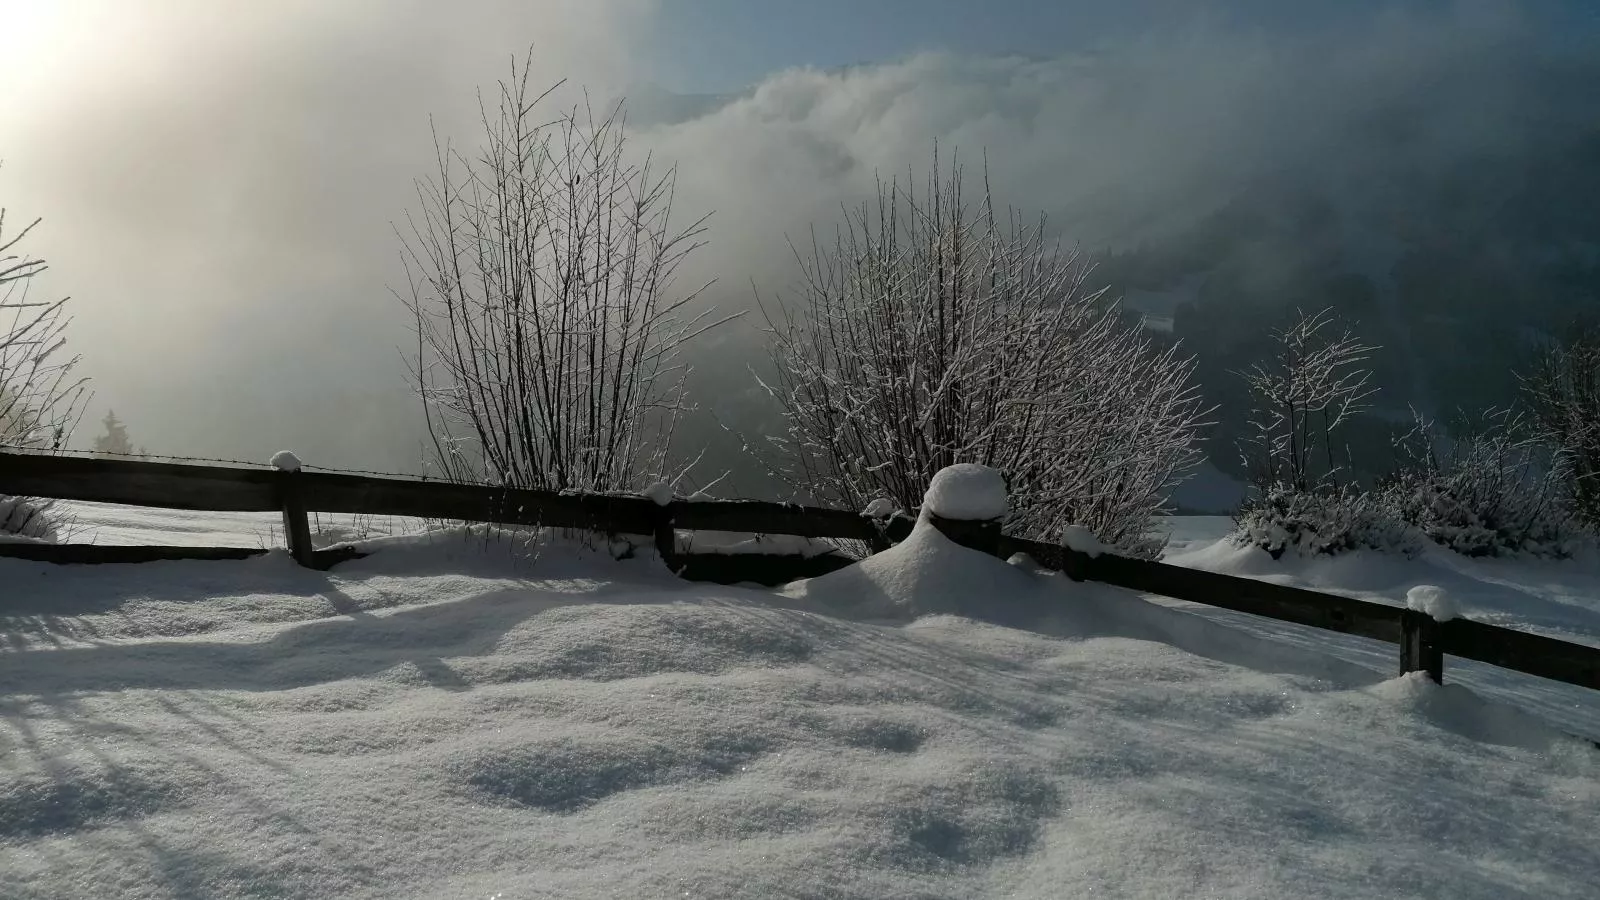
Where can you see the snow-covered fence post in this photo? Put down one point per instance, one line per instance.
(882, 514)
(666, 533)
(1419, 647)
(967, 503)
(1426, 607)
(296, 525)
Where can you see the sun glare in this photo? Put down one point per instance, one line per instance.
(29, 28)
(48, 47)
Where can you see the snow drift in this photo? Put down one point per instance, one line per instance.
(452, 718)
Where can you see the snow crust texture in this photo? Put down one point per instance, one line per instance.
(966, 491)
(452, 717)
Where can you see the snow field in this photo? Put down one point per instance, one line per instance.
(449, 718)
(1560, 599)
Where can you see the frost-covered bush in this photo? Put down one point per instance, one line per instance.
(27, 517)
(1493, 493)
(1315, 382)
(936, 330)
(1322, 522)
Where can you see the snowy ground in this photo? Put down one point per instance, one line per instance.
(1558, 599)
(449, 718)
(106, 523)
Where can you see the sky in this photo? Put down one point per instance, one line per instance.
(719, 45)
(220, 183)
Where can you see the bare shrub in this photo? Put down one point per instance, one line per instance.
(549, 333)
(932, 331)
(1314, 384)
(41, 396)
(1562, 389)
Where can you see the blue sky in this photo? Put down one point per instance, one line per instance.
(721, 45)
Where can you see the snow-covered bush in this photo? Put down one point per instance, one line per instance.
(1322, 522)
(936, 331)
(1494, 492)
(1491, 491)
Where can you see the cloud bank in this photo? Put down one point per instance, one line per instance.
(219, 193)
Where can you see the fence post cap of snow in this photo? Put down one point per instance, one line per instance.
(966, 502)
(285, 461)
(967, 491)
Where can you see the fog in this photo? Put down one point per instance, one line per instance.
(219, 187)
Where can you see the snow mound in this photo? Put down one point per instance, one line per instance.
(659, 493)
(966, 491)
(881, 508)
(926, 574)
(1433, 600)
(285, 461)
(1457, 710)
(1081, 539)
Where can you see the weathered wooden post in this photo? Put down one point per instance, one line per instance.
(1420, 649)
(296, 525)
(666, 527)
(882, 515)
(967, 503)
(1419, 646)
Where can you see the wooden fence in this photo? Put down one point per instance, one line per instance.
(1423, 642)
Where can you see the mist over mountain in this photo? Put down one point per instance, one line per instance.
(1455, 274)
(220, 196)
(1434, 186)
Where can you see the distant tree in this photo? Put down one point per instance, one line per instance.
(1313, 385)
(548, 326)
(115, 439)
(934, 331)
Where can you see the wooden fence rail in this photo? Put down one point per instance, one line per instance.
(1423, 642)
